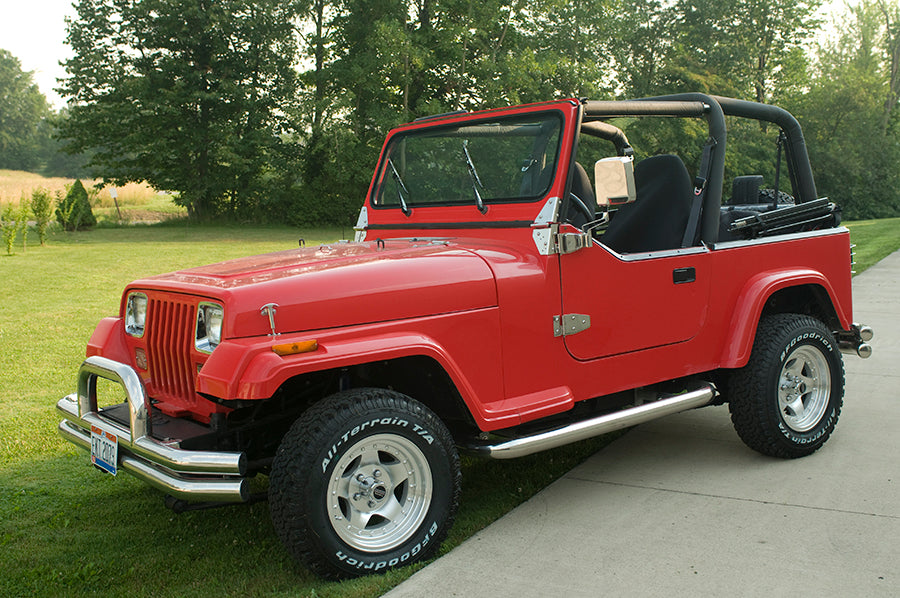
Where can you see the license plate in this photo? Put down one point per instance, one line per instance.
(104, 450)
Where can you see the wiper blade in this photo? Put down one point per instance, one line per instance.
(401, 189)
(476, 180)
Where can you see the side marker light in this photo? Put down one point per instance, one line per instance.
(295, 348)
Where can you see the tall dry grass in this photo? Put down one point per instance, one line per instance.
(14, 184)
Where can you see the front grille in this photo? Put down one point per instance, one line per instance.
(170, 336)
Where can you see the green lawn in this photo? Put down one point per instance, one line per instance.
(874, 240)
(68, 530)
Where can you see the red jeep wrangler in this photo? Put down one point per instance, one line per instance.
(497, 299)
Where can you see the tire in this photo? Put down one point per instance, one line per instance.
(365, 481)
(768, 196)
(786, 401)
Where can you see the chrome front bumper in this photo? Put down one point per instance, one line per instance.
(188, 475)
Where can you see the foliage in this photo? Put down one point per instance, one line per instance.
(22, 214)
(74, 211)
(42, 209)
(9, 226)
(849, 114)
(189, 95)
(22, 110)
(202, 98)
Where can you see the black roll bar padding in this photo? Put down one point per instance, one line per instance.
(798, 158)
(604, 130)
(595, 109)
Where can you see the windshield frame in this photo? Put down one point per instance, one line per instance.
(554, 123)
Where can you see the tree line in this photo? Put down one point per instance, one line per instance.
(274, 110)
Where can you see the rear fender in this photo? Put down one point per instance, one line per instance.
(752, 300)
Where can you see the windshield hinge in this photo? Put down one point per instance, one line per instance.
(568, 324)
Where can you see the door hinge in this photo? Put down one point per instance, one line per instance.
(568, 324)
(572, 242)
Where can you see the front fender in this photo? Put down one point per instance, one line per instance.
(108, 340)
(751, 301)
(249, 369)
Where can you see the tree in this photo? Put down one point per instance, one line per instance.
(855, 154)
(22, 110)
(192, 96)
(9, 226)
(42, 208)
(891, 15)
(74, 211)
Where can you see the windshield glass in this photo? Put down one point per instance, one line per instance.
(501, 160)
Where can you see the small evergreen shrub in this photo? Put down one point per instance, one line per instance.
(74, 211)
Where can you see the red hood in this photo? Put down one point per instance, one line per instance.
(336, 285)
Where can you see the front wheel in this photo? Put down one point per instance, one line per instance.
(786, 401)
(365, 481)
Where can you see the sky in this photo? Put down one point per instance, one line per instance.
(34, 31)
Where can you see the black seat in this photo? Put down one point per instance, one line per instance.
(745, 189)
(658, 218)
(584, 193)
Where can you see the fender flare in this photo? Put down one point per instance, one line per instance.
(753, 297)
(248, 368)
(108, 340)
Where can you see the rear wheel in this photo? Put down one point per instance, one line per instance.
(365, 481)
(786, 401)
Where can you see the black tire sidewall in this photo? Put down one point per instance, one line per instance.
(307, 487)
(419, 433)
(822, 340)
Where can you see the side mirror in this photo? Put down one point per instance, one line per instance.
(614, 181)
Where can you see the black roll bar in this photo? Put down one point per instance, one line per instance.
(682, 105)
(714, 109)
(798, 158)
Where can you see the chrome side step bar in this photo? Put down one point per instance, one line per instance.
(526, 445)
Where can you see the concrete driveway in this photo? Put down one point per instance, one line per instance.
(680, 507)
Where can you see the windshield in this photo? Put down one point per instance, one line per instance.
(502, 160)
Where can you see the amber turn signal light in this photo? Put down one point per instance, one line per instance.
(294, 348)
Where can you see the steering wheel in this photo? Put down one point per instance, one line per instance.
(578, 213)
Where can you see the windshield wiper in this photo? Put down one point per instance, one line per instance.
(401, 189)
(476, 180)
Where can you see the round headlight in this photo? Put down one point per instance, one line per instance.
(136, 314)
(209, 326)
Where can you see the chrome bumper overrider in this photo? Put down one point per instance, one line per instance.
(855, 341)
(188, 475)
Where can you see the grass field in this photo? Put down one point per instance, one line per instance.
(874, 240)
(68, 530)
(138, 202)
